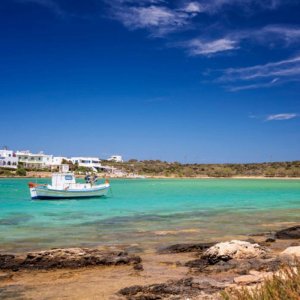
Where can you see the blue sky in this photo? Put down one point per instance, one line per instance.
(191, 81)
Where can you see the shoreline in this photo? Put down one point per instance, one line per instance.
(42, 175)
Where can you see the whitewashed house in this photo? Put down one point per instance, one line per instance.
(93, 163)
(8, 159)
(34, 161)
(116, 158)
(58, 160)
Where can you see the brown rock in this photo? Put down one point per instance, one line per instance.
(241, 267)
(289, 233)
(186, 287)
(270, 240)
(180, 248)
(67, 258)
(253, 277)
(247, 279)
(138, 267)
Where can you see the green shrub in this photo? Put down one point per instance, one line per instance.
(21, 172)
(5, 172)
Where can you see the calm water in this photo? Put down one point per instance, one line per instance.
(147, 213)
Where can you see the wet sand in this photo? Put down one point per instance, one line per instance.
(93, 282)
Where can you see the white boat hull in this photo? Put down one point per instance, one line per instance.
(44, 192)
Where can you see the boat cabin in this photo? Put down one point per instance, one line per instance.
(63, 180)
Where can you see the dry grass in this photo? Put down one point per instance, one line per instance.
(284, 285)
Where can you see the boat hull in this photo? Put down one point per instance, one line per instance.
(45, 193)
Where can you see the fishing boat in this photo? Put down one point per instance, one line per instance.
(64, 186)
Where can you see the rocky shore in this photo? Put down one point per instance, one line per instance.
(67, 258)
(181, 271)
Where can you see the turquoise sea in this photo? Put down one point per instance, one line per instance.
(147, 213)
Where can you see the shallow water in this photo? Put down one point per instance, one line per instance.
(147, 213)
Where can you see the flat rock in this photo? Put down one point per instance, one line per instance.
(288, 233)
(234, 249)
(181, 248)
(66, 258)
(247, 279)
(186, 287)
(241, 267)
(253, 277)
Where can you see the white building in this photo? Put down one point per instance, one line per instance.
(116, 158)
(34, 161)
(8, 159)
(58, 160)
(88, 162)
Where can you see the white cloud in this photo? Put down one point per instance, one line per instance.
(253, 86)
(281, 117)
(193, 7)
(288, 33)
(269, 35)
(159, 19)
(202, 47)
(143, 17)
(284, 68)
(261, 76)
(215, 6)
(157, 16)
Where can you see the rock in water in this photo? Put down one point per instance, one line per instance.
(181, 248)
(270, 240)
(67, 258)
(288, 233)
(234, 249)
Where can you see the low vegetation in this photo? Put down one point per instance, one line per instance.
(176, 169)
(21, 172)
(284, 285)
(4, 172)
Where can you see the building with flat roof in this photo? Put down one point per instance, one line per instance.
(34, 161)
(8, 159)
(115, 158)
(93, 163)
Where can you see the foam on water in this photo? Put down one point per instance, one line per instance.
(147, 213)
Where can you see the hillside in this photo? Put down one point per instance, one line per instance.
(175, 169)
